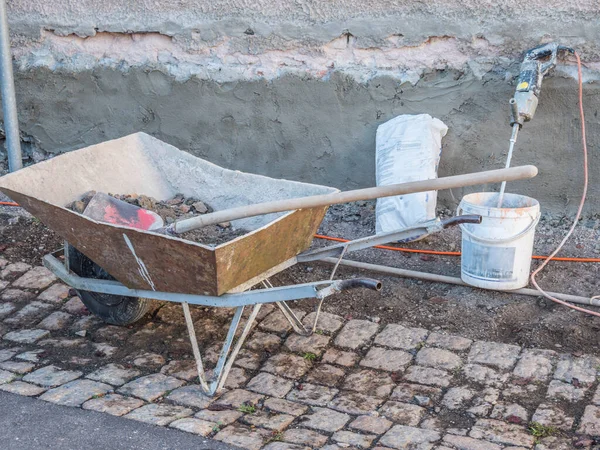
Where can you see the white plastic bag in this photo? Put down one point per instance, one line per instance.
(408, 149)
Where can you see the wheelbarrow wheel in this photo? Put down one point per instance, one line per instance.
(113, 309)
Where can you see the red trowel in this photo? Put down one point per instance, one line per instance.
(104, 208)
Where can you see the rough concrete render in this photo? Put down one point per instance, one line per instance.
(296, 89)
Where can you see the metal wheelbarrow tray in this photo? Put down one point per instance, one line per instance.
(148, 265)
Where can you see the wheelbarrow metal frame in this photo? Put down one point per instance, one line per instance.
(269, 294)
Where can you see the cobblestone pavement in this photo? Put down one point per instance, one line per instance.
(353, 384)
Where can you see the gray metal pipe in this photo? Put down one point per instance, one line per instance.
(453, 280)
(9, 100)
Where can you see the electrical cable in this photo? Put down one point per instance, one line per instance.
(579, 210)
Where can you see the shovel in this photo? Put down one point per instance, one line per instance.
(104, 208)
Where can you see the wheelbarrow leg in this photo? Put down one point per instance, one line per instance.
(226, 360)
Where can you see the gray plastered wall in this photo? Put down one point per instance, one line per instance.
(297, 89)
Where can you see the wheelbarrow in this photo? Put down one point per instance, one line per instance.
(119, 271)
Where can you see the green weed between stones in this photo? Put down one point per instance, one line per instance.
(309, 356)
(247, 409)
(539, 431)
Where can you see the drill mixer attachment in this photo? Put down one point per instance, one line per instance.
(537, 63)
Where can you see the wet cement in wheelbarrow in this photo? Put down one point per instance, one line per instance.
(176, 208)
(475, 313)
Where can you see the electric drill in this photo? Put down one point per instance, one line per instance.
(536, 64)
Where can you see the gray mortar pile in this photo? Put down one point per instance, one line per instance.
(296, 89)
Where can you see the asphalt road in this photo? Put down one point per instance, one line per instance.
(30, 424)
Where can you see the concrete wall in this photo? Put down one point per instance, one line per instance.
(296, 89)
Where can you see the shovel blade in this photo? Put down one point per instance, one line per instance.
(104, 208)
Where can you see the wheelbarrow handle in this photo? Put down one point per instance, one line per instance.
(456, 181)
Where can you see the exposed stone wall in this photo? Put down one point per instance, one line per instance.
(297, 89)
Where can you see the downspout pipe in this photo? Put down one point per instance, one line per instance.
(9, 101)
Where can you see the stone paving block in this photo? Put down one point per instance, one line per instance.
(7, 353)
(277, 323)
(182, 369)
(55, 294)
(304, 437)
(287, 365)
(75, 392)
(584, 369)
(248, 360)
(553, 443)
(32, 356)
(271, 421)
(511, 412)
(356, 333)
(56, 321)
(327, 322)
(457, 397)
(37, 278)
(428, 375)
(312, 394)
(484, 375)
(190, 395)
(340, 357)
(483, 403)
(159, 414)
(238, 397)
(263, 342)
(51, 376)
(3, 263)
(416, 393)
(285, 406)
(552, 416)
(375, 383)
(449, 342)
(244, 437)
(265, 383)
(315, 343)
(402, 413)
(16, 295)
(87, 322)
(150, 387)
(325, 374)
(103, 350)
(27, 336)
(325, 419)
(220, 418)
(467, 443)
(284, 446)
(398, 336)
(557, 390)
(114, 404)
(503, 356)
(371, 424)
(18, 367)
(596, 399)
(236, 379)
(355, 403)
(522, 392)
(64, 343)
(403, 437)
(148, 360)
(383, 359)
(6, 376)
(590, 422)
(501, 433)
(353, 439)
(76, 307)
(22, 388)
(194, 426)
(438, 358)
(3, 285)
(13, 270)
(112, 333)
(535, 364)
(6, 309)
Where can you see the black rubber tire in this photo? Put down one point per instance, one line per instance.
(113, 309)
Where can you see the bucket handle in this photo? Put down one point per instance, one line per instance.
(499, 241)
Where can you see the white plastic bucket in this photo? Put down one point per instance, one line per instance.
(496, 254)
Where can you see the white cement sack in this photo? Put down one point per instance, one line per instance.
(408, 149)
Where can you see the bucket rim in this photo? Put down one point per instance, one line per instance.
(533, 206)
